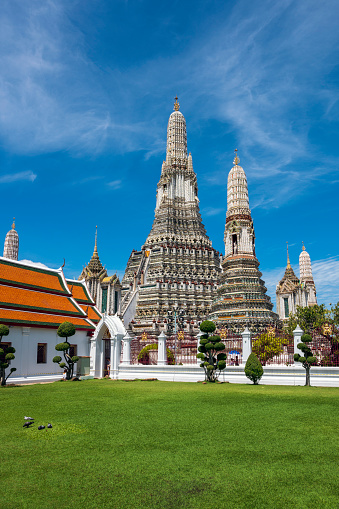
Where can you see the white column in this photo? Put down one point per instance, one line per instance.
(198, 344)
(25, 351)
(297, 333)
(246, 345)
(162, 352)
(92, 361)
(112, 369)
(126, 353)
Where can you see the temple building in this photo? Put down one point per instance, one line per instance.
(291, 291)
(34, 302)
(177, 267)
(11, 247)
(241, 299)
(104, 289)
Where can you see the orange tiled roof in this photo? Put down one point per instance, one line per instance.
(92, 312)
(80, 292)
(26, 276)
(11, 316)
(21, 298)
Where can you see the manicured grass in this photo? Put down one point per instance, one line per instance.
(169, 445)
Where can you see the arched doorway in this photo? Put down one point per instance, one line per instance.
(106, 347)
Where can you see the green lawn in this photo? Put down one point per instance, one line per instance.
(169, 445)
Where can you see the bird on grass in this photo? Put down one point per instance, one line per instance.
(41, 427)
(28, 418)
(49, 425)
(27, 424)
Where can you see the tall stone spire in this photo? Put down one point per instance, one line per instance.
(11, 247)
(95, 266)
(241, 297)
(306, 276)
(177, 266)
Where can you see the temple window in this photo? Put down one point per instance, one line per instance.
(41, 353)
(286, 307)
(104, 300)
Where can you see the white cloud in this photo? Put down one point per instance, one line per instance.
(35, 264)
(212, 211)
(16, 177)
(115, 184)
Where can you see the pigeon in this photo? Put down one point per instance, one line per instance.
(49, 425)
(27, 424)
(41, 427)
(28, 418)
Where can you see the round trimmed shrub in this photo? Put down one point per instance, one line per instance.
(9, 356)
(62, 364)
(200, 356)
(209, 346)
(306, 338)
(202, 349)
(207, 326)
(253, 369)
(61, 347)
(57, 358)
(10, 349)
(4, 365)
(221, 365)
(210, 367)
(66, 329)
(204, 341)
(221, 356)
(214, 339)
(4, 330)
(219, 346)
(75, 358)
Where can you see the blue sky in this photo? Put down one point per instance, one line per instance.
(86, 89)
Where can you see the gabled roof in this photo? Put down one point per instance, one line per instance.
(27, 276)
(40, 297)
(80, 292)
(92, 312)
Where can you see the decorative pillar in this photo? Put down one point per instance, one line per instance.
(126, 353)
(162, 352)
(93, 352)
(198, 344)
(115, 355)
(297, 333)
(246, 345)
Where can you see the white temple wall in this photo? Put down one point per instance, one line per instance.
(25, 341)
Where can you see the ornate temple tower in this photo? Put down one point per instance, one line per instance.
(11, 247)
(292, 292)
(241, 299)
(306, 277)
(104, 289)
(176, 268)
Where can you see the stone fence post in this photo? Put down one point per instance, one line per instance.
(162, 352)
(126, 353)
(246, 345)
(297, 333)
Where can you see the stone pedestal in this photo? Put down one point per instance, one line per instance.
(126, 353)
(246, 345)
(297, 333)
(162, 353)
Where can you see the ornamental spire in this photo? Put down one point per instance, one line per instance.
(13, 225)
(176, 104)
(96, 238)
(11, 246)
(288, 258)
(236, 160)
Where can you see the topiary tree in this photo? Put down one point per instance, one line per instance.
(209, 346)
(6, 355)
(307, 359)
(66, 330)
(253, 369)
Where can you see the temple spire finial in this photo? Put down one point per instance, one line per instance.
(288, 258)
(96, 238)
(304, 248)
(13, 225)
(236, 159)
(176, 104)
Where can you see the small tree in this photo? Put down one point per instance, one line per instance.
(66, 330)
(267, 346)
(307, 359)
(6, 355)
(253, 369)
(209, 346)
